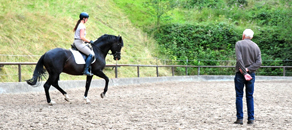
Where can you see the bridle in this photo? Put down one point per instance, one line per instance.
(116, 53)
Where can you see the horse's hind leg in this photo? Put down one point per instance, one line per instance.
(47, 85)
(56, 85)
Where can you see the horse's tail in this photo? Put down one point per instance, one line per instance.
(38, 73)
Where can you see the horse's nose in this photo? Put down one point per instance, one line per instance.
(117, 58)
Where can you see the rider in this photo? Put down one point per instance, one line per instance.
(79, 39)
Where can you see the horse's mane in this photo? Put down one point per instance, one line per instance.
(105, 38)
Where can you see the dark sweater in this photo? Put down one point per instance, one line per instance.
(248, 55)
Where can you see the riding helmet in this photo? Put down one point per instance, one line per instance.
(83, 15)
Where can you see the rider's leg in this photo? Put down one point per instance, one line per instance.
(87, 64)
(83, 48)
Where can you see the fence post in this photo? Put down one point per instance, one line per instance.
(284, 71)
(19, 72)
(116, 71)
(157, 71)
(172, 70)
(199, 68)
(186, 70)
(138, 74)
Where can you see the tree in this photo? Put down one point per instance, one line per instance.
(158, 8)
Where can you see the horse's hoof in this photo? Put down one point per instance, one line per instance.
(87, 100)
(102, 95)
(52, 103)
(66, 98)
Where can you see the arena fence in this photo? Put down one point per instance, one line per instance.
(19, 64)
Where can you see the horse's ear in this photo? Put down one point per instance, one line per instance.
(120, 38)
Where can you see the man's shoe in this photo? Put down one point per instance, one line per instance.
(250, 122)
(239, 121)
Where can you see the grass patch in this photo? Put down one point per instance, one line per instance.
(30, 28)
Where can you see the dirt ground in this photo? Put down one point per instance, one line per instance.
(158, 106)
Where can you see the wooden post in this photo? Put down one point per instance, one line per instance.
(138, 73)
(284, 71)
(19, 73)
(116, 71)
(157, 71)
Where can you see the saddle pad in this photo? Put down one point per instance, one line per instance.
(78, 57)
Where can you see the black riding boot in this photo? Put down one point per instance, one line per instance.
(87, 64)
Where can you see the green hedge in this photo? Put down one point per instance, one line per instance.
(213, 44)
(185, 41)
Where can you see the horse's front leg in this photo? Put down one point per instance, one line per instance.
(102, 75)
(87, 86)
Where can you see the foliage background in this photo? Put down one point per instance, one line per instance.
(207, 31)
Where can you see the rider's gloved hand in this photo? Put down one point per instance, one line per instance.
(91, 42)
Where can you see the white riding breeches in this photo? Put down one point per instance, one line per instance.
(81, 46)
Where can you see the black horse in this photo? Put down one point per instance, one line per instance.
(60, 60)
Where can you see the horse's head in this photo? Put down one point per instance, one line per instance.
(116, 48)
(109, 42)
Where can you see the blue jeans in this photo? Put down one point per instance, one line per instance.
(240, 81)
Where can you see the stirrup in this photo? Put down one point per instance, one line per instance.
(87, 73)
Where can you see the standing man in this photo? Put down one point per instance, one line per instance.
(248, 60)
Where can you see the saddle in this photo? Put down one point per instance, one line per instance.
(79, 56)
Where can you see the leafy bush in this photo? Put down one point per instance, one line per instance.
(187, 42)
(212, 43)
(221, 23)
(202, 3)
(237, 2)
